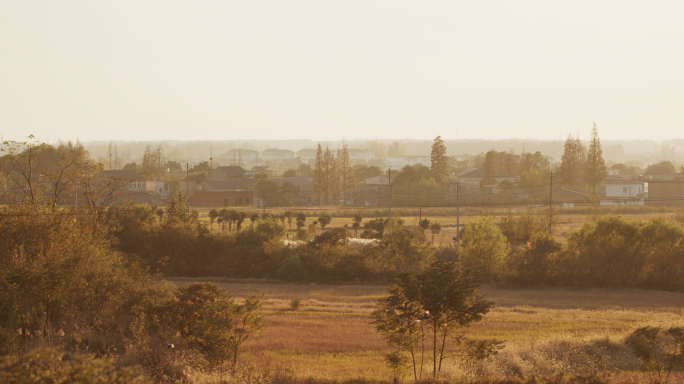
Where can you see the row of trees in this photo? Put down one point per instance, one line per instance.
(509, 163)
(333, 176)
(581, 166)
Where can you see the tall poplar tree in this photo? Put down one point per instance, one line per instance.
(328, 177)
(572, 162)
(317, 182)
(567, 172)
(347, 172)
(595, 169)
(439, 163)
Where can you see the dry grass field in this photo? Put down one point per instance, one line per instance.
(547, 331)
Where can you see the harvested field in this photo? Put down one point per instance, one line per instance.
(547, 331)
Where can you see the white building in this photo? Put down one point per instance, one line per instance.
(612, 172)
(361, 154)
(625, 192)
(155, 186)
(277, 154)
(401, 161)
(306, 154)
(241, 156)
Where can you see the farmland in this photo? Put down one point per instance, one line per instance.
(547, 331)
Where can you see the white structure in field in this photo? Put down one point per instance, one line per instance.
(625, 192)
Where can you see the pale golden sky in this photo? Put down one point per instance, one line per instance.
(143, 69)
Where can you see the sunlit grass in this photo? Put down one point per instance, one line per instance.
(331, 335)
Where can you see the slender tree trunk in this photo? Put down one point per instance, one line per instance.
(434, 351)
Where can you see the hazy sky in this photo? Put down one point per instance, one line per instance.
(143, 69)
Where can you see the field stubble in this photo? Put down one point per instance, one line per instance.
(547, 331)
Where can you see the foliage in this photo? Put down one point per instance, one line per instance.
(50, 365)
(435, 229)
(290, 173)
(439, 163)
(363, 172)
(572, 162)
(659, 350)
(535, 184)
(295, 304)
(356, 224)
(443, 299)
(483, 246)
(490, 172)
(595, 168)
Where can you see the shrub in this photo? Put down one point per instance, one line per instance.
(295, 304)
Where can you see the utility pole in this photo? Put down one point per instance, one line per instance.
(187, 184)
(420, 215)
(458, 217)
(390, 192)
(550, 200)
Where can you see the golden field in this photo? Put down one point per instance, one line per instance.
(547, 331)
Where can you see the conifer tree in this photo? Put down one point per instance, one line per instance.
(439, 163)
(595, 169)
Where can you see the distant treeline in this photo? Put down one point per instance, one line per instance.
(205, 149)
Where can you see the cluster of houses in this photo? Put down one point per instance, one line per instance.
(232, 185)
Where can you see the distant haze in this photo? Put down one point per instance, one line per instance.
(328, 70)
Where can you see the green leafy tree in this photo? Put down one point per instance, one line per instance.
(290, 173)
(356, 224)
(483, 246)
(305, 170)
(443, 299)
(269, 190)
(660, 350)
(535, 184)
(213, 214)
(435, 229)
(289, 215)
(424, 224)
(489, 168)
(324, 220)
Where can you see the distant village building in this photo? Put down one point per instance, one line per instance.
(378, 183)
(277, 154)
(240, 157)
(612, 172)
(222, 198)
(130, 184)
(361, 154)
(624, 192)
(660, 173)
(307, 154)
(664, 192)
(227, 173)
